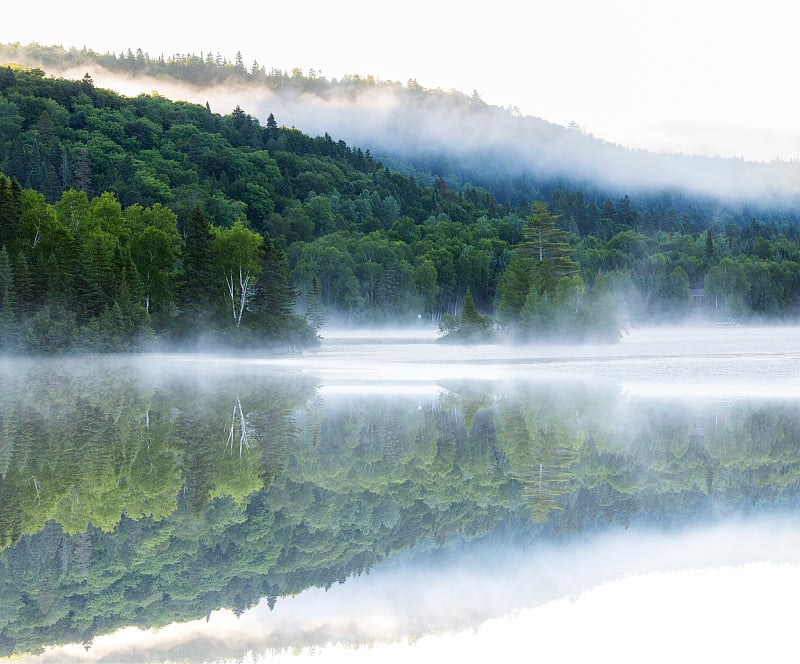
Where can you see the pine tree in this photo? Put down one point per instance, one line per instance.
(315, 312)
(473, 324)
(23, 284)
(272, 127)
(8, 302)
(709, 249)
(470, 325)
(84, 179)
(274, 295)
(195, 296)
(544, 241)
(513, 287)
(10, 210)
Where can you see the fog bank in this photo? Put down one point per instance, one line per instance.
(391, 119)
(670, 361)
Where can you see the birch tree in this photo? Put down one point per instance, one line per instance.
(237, 261)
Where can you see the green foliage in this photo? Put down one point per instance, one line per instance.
(513, 288)
(9, 304)
(126, 499)
(469, 326)
(148, 187)
(315, 312)
(546, 243)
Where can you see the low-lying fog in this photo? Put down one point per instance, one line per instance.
(392, 121)
(678, 360)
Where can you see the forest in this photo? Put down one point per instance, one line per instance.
(134, 223)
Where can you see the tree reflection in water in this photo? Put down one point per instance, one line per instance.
(133, 495)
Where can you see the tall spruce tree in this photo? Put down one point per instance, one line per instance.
(8, 302)
(315, 311)
(513, 286)
(196, 296)
(10, 210)
(544, 241)
(274, 295)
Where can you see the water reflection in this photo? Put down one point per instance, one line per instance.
(137, 494)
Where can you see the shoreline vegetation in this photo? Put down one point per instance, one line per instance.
(130, 224)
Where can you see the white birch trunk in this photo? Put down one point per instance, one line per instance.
(241, 296)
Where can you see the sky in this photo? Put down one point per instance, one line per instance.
(688, 76)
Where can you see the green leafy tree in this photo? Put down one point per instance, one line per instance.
(155, 247)
(237, 252)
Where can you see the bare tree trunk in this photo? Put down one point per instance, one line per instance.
(237, 410)
(244, 282)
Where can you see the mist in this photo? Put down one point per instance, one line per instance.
(666, 360)
(400, 123)
(620, 592)
(690, 430)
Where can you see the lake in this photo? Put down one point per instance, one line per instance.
(384, 496)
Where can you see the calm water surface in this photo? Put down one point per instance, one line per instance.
(385, 496)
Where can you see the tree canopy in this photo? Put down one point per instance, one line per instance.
(126, 222)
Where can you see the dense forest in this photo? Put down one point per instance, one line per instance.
(142, 496)
(129, 222)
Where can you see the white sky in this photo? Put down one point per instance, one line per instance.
(723, 593)
(684, 75)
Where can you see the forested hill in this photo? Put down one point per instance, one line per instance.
(128, 220)
(432, 133)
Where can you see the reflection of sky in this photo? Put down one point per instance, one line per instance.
(723, 592)
(718, 593)
(721, 360)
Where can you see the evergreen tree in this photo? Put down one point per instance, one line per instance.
(513, 287)
(544, 241)
(84, 177)
(196, 295)
(472, 322)
(469, 325)
(8, 302)
(274, 295)
(10, 211)
(23, 284)
(709, 246)
(272, 127)
(315, 312)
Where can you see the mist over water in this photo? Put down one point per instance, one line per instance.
(696, 425)
(660, 360)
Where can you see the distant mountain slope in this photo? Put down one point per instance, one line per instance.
(431, 133)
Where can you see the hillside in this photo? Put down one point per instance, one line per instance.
(257, 227)
(432, 133)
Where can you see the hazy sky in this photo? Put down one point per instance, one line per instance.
(685, 75)
(719, 593)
